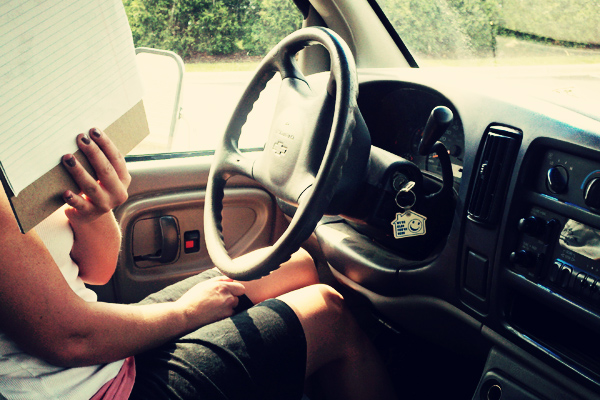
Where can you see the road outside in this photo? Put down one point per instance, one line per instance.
(208, 100)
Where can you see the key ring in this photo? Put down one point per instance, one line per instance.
(406, 189)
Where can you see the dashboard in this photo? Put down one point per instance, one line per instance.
(397, 118)
(519, 267)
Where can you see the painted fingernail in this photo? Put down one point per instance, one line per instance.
(85, 139)
(70, 161)
(95, 132)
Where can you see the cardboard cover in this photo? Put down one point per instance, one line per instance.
(44, 196)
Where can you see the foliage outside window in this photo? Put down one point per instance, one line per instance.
(211, 27)
(498, 32)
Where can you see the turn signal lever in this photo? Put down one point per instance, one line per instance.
(439, 120)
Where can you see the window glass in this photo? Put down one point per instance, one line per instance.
(551, 47)
(497, 32)
(221, 43)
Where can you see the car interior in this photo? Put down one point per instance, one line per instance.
(457, 214)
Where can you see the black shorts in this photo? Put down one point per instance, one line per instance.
(257, 354)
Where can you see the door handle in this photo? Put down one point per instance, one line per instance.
(169, 233)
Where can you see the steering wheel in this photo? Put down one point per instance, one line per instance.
(305, 151)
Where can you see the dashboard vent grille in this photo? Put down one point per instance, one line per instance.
(493, 174)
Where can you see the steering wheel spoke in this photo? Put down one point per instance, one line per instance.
(305, 151)
(231, 162)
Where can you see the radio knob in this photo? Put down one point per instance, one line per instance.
(557, 179)
(591, 194)
(532, 226)
(552, 228)
(522, 258)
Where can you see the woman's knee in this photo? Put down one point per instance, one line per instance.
(329, 328)
(315, 305)
(332, 298)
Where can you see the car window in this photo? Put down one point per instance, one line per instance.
(549, 46)
(221, 43)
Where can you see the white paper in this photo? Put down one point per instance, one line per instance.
(65, 67)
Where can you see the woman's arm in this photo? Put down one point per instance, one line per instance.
(41, 313)
(97, 234)
(96, 249)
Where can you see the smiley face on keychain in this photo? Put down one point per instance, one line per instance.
(408, 223)
(415, 225)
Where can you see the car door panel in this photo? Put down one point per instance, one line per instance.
(174, 191)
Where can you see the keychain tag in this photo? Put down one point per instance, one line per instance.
(408, 224)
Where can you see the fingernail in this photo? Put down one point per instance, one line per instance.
(95, 132)
(85, 139)
(70, 161)
(68, 195)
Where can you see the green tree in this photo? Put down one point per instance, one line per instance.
(188, 27)
(572, 21)
(445, 28)
(273, 20)
(214, 27)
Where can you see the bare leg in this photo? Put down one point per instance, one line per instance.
(337, 349)
(299, 271)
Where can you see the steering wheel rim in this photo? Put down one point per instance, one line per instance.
(311, 194)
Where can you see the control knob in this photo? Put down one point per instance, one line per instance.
(557, 179)
(532, 226)
(523, 258)
(591, 194)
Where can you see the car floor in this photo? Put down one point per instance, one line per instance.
(420, 369)
(424, 370)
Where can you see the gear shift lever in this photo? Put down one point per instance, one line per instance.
(437, 123)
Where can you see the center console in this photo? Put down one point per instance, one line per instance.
(551, 253)
(560, 253)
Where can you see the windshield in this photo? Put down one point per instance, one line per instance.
(551, 47)
(497, 32)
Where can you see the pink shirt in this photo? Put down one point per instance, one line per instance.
(120, 387)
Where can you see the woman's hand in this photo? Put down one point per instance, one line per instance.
(97, 234)
(210, 301)
(98, 196)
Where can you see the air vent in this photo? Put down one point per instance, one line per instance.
(493, 174)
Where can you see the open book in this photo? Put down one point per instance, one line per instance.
(65, 67)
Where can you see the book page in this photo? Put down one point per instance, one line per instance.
(65, 66)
